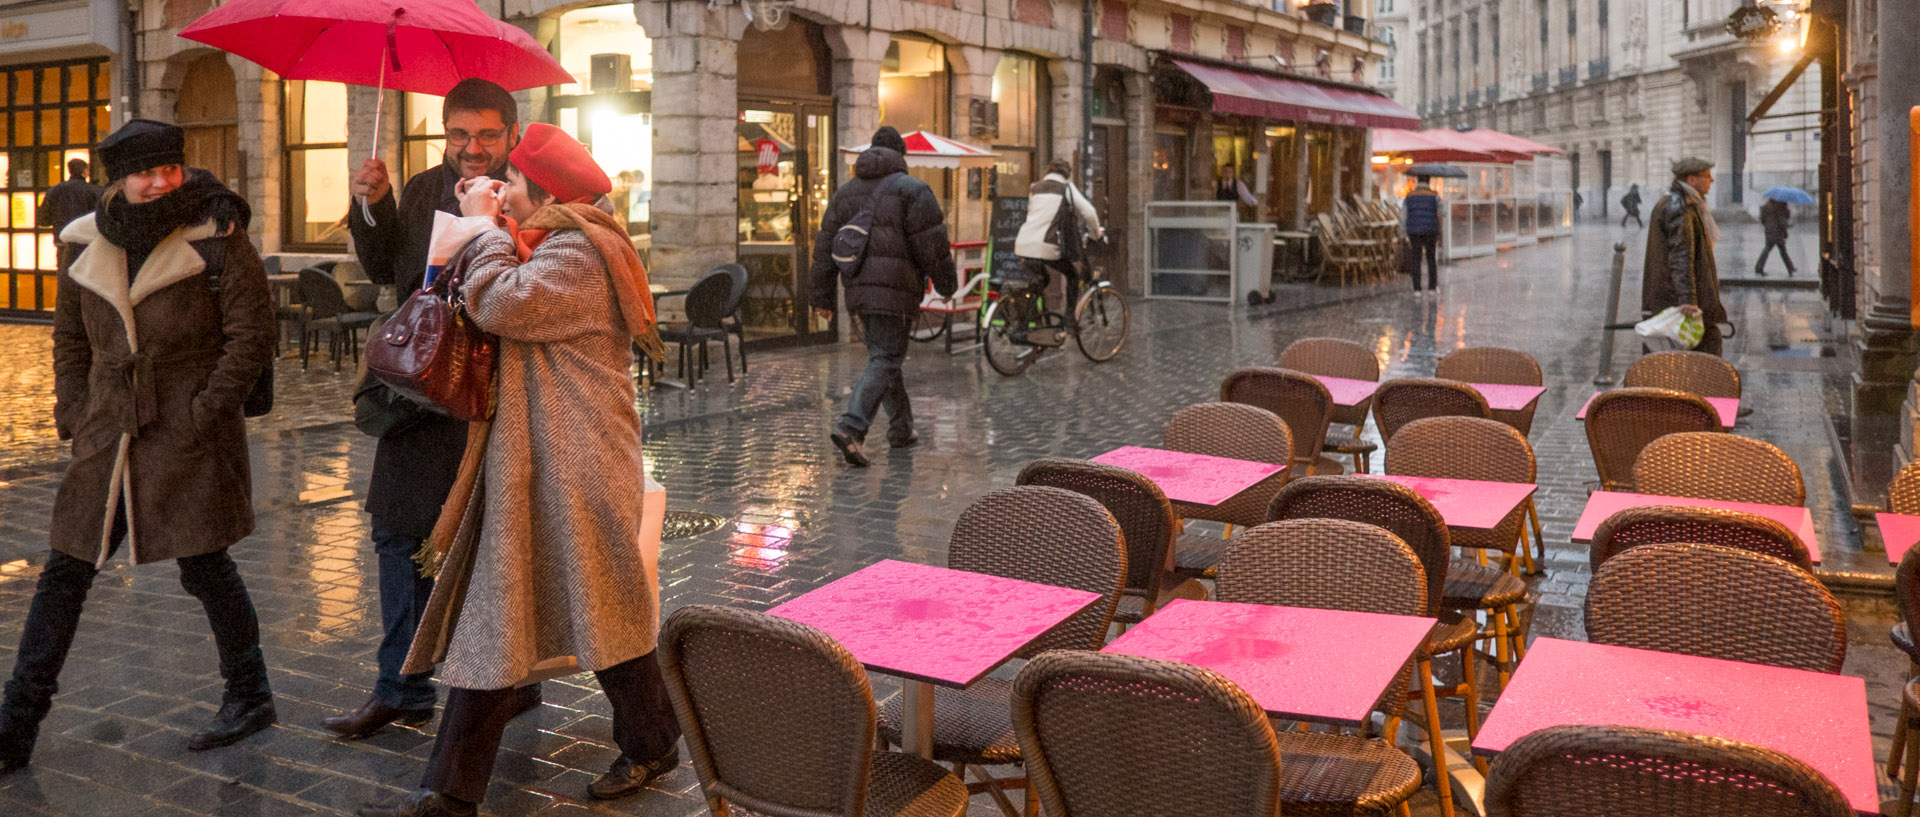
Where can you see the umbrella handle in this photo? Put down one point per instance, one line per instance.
(379, 106)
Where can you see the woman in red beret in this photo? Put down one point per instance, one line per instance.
(543, 567)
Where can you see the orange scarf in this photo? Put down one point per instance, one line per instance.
(623, 264)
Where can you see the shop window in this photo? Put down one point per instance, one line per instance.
(317, 175)
(54, 112)
(1020, 93)
(1170, 164)
(423, 145)
(915, 88)
(610, 110)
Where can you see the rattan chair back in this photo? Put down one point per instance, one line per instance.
(1146, 518)
(1333, 357)
(1716, 602)
(1108, 735)
(1691, 372)
(1620, 771)
(1621, 422)
(1903, 495)
(1493, 364)
(1713, 465)
(778, 716)
(1661, 524)
(1295, 397)
(1461, 448)
(1377, 502)
(1241, 432)
(1330, 564)
(1906, 588)
(1403, 400)
(1051, 536)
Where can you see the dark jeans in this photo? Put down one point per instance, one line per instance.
(1762, 263)
(470, 728)
(1632, 214)
(403, 598)
(1042, 271)
(882, 384)
(1427, 248)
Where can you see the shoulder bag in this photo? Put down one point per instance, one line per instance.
(432, 353)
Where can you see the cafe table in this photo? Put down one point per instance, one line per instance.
(1468, 503)
(1603, 504)
(1727, 407)
(1507, 397)
(1347, 392)
(1819, 718)
(1327, 666)
(1899, 532)
(1195, 479)
(932, 626)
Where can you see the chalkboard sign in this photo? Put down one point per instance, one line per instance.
(1003, 228)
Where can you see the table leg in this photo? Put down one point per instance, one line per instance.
(916, 733)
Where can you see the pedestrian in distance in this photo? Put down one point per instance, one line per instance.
(1039, 242)
(65, 202)
(1774, 218)
(415, 462)
(905, 249)
(1679, 269)
(547, 573)
(162, 326)
(1420, 214)
(1631, 204)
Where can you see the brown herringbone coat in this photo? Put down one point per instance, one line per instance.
(547, 568)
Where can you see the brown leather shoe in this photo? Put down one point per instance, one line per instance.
(373, 715)
(627, 776)
(420, 804)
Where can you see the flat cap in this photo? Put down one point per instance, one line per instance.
(1690, 165)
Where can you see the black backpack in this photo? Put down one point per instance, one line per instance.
(214, 252)
(1066, 232)
(850, 241)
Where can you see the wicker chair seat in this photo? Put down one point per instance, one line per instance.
(1329, 774)
(1133, 605)
(1504, 537)
(1903, 638)
(906, 786)
(1452, 633)
(975, 725)
(1472, 586)
(1196, 554)
(1339, 443)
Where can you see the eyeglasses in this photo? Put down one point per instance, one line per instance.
(486, 138)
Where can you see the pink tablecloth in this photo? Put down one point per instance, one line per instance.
(1469, 503)
(1602, 504)
(1727, 407)
(1195, 478)
(1817, 717)
(1347, 391)
(1899, 531)
(933, 624)
(1502, 397)
(1319, 665)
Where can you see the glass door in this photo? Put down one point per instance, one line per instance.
(786, 177)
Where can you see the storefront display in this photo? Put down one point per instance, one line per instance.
(54, 112)
(609, 105)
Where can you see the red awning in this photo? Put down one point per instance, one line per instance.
(1421, 147)
(1493, 140)
(1250, 93)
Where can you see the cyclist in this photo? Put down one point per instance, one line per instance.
(1040, 241)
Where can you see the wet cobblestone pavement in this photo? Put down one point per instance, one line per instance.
(143, 675)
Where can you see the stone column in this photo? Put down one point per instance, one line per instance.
(1887, 342)
(696, 109)
(857, 52)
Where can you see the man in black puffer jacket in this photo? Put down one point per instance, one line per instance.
(906, 248)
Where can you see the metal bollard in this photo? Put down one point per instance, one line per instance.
(1605, 377)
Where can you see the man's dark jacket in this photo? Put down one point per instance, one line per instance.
(415, 465)
(65, 202)
(907, 247)
(1422, 209)
(1679, 267)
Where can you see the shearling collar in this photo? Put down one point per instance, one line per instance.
(102, 266)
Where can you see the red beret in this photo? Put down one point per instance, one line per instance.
(548, 157)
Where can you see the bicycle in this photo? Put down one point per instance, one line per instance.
(1019, 328)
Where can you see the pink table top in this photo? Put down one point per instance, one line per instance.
(933, 624)
(1347, 391)
(1502, 397)
(1817, 717)
(1468, 503)
(1195, 478)
(1728, 407)
(1319, 665)
(1602, 504)
(1899, 531)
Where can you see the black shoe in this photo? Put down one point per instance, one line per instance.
(234, 723)
(421, 804)
(912, 439)
(373, 715)
(16, 744)
(1762, 272)
(851, 447)
(627, 777)
(529, 701)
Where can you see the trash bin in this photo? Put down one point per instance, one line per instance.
(1253, 261)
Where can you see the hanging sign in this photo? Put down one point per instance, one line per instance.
(769, 156)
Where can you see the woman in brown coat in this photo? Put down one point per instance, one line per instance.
(153, 354)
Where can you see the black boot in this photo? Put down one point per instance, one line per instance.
(421, 804)
(628, 776)
(236, 720)
(18, 731)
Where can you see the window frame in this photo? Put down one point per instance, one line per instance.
(289, 148)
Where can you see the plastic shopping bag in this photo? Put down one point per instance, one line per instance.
(1671, 330)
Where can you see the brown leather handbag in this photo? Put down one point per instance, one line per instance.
(432, 352)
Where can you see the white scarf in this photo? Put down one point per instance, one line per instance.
(1706, 213)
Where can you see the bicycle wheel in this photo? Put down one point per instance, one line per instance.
(1102, 320)
(929, 326)
(1006, 316)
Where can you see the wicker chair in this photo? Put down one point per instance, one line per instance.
(1406, 515)
(1903, 495)
(1404, 400)
(1691, 372)
(1660, 524)
(1233, 430)
(1473, 448)
(1621, 422)
(1333, 357)
(1716, 602)
(1619, 771)
(1146, 519)
(1038, 534)
(1336, 564)
(1492, 364)
(779, 719)
(1712, 465)
(1298, 399)
(1906, 733)
(1122, 736)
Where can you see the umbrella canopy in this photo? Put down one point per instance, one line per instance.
(1423, 148)
(428, 45)
(1788, 194)
(933, 150)
(1435, 169)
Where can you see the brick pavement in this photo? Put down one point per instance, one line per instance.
(142, 674)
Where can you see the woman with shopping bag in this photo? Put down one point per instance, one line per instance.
(547, 559)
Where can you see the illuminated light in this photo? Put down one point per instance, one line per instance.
(1381, 159)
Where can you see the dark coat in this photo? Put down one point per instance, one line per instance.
(1422, 212)
(415, 465)
(1631, 201)
(67, 201)
(907, 248)
(1774, 218)
(183, 446)
(1679, 266)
